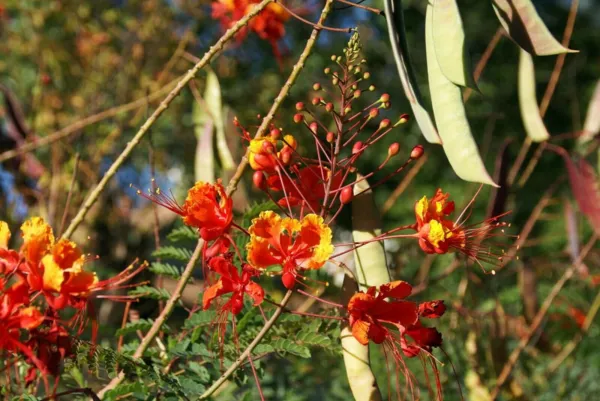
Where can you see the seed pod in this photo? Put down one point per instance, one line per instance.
(393, 149)
(417, 152)
(347, 195)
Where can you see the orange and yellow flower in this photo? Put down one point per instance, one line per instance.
(437, 234)
(293, 244)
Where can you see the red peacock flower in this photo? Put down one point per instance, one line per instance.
(371, 317)
(206, 208)
(268, 24)
(438, 234)
(230, 282)
(294, 244)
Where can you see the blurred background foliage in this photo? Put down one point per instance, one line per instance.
(64, 60)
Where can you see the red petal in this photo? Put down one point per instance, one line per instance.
(404, 313)
(255, 291)
(396, 289)
(432, 309)
(219, 288)
(360, 331)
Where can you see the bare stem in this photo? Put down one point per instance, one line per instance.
(214, 50)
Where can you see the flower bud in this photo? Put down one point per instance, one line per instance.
(357, 147)
(316, 100)
(333, 57)
(384, 98)
(267, 147)
(357, 93)
(393, 149)
(384, 123)
(330, 137)
(354, 87)
(366, 75)
(417, 152)
(347, 194)
(373, 113)
(357, 70)
(327, 70)
(335, 81)
(300, 106)
(347, 110)
(329, 107)
(286, 157)
(288, 280)
(258, 178)
(275, 133)
(313, 127)
(386, 105)
(371, 88)
(403, 119)
(316, 86)
(298, 118)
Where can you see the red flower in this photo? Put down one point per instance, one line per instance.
(432, 309)
(308, 189)
(370, 311)
(424, 338)
(268, 24)
(207, 208)
(232, 283)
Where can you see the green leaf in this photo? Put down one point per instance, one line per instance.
(141, 324)
(314, 339)
(191, 386)
(397, 34)
(202, 374)
(200, 318)
(165, 269)
(171, 252)
(183, 233)
(263, 349)
(451, 118)
(370, 260)
(525, 27)
(285, 345)
(145, 291)
(530, 112)
(450, 47)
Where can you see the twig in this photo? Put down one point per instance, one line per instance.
(231, 32)
(485, 57)
(403, 184)
(539, 317)
(78, 125)
(550, 88)
(70, 194)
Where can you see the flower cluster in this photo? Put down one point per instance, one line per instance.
(310, 190)
(44, 277)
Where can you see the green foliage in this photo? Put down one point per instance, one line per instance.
(144, 291)
(172, 252)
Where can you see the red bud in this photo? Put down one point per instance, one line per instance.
(300, 106)
(357, 147)
(313, 127)
(373, 113)
(258, 178)
(275, 133)
(384, 123)
(288, 280)
(316, 100)
(393, 149)
(330, 137)
(417, 152)
(317, 86)
(347, 195)
(384, 98)
(298, 118)
(329, 107)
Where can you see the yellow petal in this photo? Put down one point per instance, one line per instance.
(4, 234)
(53, 274)
(37, 239)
